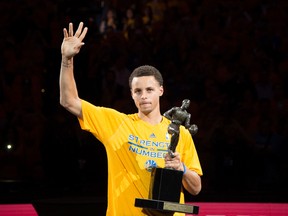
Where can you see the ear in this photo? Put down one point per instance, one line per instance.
(161, 89)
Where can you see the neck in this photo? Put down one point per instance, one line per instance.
(151, 118)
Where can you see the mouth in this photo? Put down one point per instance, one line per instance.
(145, 103)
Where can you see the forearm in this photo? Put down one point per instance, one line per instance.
(192, 182)
(68, 90)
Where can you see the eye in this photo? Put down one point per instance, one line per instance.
(137, 91)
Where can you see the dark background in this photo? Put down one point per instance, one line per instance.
(228, 57)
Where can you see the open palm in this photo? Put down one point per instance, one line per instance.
(72, 43)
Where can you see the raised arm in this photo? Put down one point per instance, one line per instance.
(71, 46)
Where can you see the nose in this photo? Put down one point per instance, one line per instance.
(144, 95)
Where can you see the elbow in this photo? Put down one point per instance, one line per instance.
(65, 103)
(72, 105)
(198, 186)
(193, 185)
(196, 190)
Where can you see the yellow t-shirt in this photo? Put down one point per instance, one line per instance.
(133, 146)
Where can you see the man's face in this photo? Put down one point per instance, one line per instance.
(145, 92)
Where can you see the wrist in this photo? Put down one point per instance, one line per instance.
(184, 168)
(67, 62)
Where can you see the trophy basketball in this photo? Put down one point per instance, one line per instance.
(166, 183)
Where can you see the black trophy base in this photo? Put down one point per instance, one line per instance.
(164, 193)
(165, 184)
(166, 206)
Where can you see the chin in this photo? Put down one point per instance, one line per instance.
(146, 111)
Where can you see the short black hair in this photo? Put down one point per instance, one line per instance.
(146, 70)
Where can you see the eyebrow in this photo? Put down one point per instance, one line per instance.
(147, 88)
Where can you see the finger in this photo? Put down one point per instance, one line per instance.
(83, 33)
(79, 47)
(168, 164)
(168, 156)
(174, 166)
(176, 156)
(78, 32)
(65, 33)
(70, 29)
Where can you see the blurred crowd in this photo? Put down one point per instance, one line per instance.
(229, 57)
